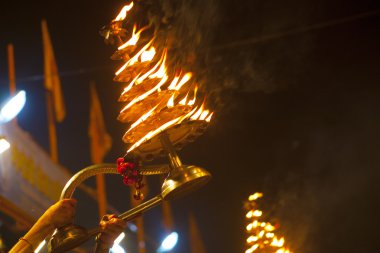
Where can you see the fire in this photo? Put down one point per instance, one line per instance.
(262, 234)
(123, 13)
(133, 60)
(158, 97)
(134, 38)
(148, 54)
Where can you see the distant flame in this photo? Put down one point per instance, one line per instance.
(262, 234)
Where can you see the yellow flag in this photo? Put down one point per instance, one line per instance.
(52, 82)
(100, 140)
(100, 143)
(196, 243)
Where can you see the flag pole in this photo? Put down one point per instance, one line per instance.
(99, 146)
(48, 57)
(11, 70)
(11, 73)
(51, 127)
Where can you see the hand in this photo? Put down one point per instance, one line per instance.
(60, 214)
(110, 228)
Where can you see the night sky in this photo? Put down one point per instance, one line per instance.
(297, 113)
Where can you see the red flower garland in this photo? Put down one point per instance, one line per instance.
(131, 176)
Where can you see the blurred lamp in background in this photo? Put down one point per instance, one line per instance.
(116, 248)
(12, 107)
(4, 145)
(40, 246)
(168, 243)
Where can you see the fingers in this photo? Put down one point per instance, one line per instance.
(69, 202)
(111, 226)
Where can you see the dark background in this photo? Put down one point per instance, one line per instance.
(297, 116)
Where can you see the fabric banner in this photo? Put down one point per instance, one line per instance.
(29, 179)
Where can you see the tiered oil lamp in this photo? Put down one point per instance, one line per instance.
(162, 108)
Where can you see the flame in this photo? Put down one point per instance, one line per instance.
(129, 87)
(148, 55)
(269, 228)
(252, 239)
(192, 102)
(153, 133)
(255, 196)
(146, 94)
(142, 118)
(151, 80)
(262, 233)
(134, 38)
(171, 102)
(204, 115)
(251, 249)
(134, 59)
(184, 80)
(278, 242)
(184, 100)
(148, 73)
(123, 13)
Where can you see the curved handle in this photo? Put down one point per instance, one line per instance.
(79, 177)
(105, 168)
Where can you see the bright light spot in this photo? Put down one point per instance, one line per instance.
(42, 244)
(116, 248)
(12, 107)
(4, 145)
(132, 227)
(119, 238)
(169, 242)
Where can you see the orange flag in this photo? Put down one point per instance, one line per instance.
(100, 143)
(100, 140)
(52, 82)
(196, 243)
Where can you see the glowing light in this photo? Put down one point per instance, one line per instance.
(133, 60)
(40, 246)
(261, 233)
(169, 242)
(150, 84)
(148, 55)
(255, 196)
(252, 238)
(123, 13)
(183, 101)
(171, 102)
(12, 107)
(134, 38)
(184, 80)
(142, 119)
(251, 249)
(116, 248)
(4, 145)
(119, 238)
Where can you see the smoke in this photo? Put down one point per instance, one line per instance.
(236, 48)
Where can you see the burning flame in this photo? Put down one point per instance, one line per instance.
(148, 54)
(123, 13)
(262, 234)
(152, 82)
(134, 38)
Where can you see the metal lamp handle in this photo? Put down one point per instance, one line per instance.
(105, 168)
